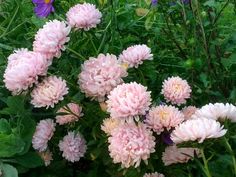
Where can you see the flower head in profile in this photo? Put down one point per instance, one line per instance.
(173, 155)
(163, 117)
(197, 130)
(43, 7)
(131, 143)
(110, 124)
(46, 156)
(176, 90)
(189, 111)
(73, 147)
(153, 175)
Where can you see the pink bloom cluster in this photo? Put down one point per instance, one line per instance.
(173, 155)
(73, 147)
(100, 75)
(153, 175)
(135, 55)
(189, 111)
(110, 124)
(43, 133)
(131, 143)
(176, 90)
(49, 92)
(71, 113)
(46, 156)
(128, 100)
(23, 69)
(50, 39)
(83, 16)
(163, 117)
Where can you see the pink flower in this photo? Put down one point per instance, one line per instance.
(189, 111)
(197, 130)
(46, 156)
(176, 90)
(131, 143)
(72, 112)
(43, 133)
(110, 124)
(135, 55)
(83, 16)
(50, 39)
(23, 69)
(217, 111)
(100, 75)
(128, 100)
(173, 155)
(163, 117)
(49, 92)
(73, 147)
(153, 175)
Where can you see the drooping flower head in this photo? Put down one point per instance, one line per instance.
(72, 112)
(173, 155)
(43, 133)
(83, 16)
(153, 175)
(43, 7)
(128, 100)
(100, 75)
(217, 111)
(176, 90)
(49, 92)
(50, 39)
(197, 130)
(46, 156)
(131, 143)
(163, 117)
(135, 55)
(73, 147)
(23, 69)
(110, 124)
(189, 111)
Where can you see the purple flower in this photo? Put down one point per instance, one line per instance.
(154, 2)
(43, 7)
(165, 136)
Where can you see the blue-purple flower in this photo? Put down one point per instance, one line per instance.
(43, 7)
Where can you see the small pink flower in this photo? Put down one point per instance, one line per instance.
(43, 133)
(110, 124)
(73, 147)
(163, 117)
(128, 100)
(50, 39)
(23, 69)
(135, 55)
(173, 155)
(131, 143)
(176, 90)
(153, 175)
(100, 75)
(49, 92)
(72, 112)
(46, 156)
(197, 130)
(83, 16)
(189, 111)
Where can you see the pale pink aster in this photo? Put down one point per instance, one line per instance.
(103, 106)
(100, 75)
(110, 124)
(71, 113)
(23, 69)
(135, 55)
(43, 133)
(176, 90)
(84, 16)
(46, 156)
(73, 147)
(163, 117)
(50, 39)
(49, 92)
(131, 143)
(189, 111)
(197, 130)
(153, 175)
(128, 100)
(217, 111)
(173, 155)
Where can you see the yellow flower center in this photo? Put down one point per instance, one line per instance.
(177, 87)
(47, 1)
(163, 114)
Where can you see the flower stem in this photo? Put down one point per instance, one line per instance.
(76, 53)
(206, 168)
(229, 148)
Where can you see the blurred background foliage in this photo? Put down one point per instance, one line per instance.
(196, 41)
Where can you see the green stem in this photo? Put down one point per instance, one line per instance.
(206, 169)
(76, 53)
(229, 148)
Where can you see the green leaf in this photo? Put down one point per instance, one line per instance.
(30, 160)
(228, 62)
(5, 127)
(9, 171)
